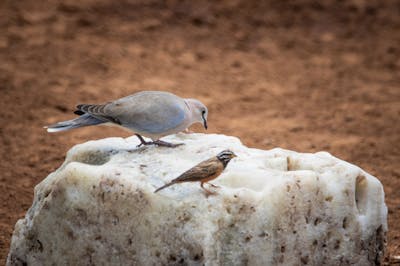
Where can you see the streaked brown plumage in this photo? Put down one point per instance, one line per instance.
(205, 171)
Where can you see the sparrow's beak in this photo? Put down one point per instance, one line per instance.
(204, 121)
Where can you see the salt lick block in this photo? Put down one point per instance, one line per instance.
(274, 207)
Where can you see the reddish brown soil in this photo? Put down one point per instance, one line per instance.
(293, 74)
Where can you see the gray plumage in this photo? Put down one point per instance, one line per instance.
(153, 114)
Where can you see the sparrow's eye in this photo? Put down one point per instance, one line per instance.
(203, 112)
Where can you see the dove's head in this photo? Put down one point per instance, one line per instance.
(199, 111)
(225, 156)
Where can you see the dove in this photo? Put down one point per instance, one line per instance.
(152, 114)
(204, 172)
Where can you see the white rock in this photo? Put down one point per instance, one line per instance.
(274, 207)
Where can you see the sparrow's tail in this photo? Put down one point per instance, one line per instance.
(82, 121)
(165, 186)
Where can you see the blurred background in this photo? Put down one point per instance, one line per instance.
(302, 75)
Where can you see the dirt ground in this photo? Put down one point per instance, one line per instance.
(299, 75)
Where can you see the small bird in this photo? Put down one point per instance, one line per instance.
(205, 171)
(153, 114)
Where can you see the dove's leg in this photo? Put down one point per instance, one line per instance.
(142, 141)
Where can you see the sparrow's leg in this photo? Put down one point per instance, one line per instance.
(214, 185)
(208, 192)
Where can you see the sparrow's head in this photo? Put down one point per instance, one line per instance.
(199, 111)
(225, 156)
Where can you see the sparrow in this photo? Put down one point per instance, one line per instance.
(152, 114)
(205, 171)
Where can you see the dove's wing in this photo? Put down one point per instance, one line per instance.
(151, 111)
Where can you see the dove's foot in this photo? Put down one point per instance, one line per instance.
(166, 144)
(156, 142)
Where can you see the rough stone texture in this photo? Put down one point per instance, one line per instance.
(274, 207)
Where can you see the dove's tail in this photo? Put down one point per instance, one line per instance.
(82, 121)
(165, 186)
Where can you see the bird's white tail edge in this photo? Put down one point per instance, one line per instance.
(58, 129)
(82, 121)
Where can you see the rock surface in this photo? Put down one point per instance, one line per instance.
(274, 207)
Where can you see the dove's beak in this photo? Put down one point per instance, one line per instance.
(204, 121)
